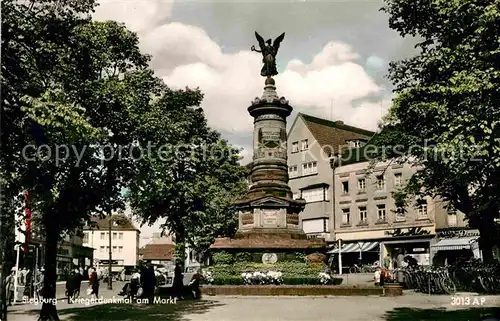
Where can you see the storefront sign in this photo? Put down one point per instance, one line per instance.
(61, 251)
(270, 217)
(457, 233)
(414, 231)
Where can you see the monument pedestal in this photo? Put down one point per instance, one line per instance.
(269, 218)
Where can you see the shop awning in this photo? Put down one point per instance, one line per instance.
(456, 243)
(356, 247)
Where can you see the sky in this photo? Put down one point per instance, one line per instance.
(333, 61)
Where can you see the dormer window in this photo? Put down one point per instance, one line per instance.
(356, 143)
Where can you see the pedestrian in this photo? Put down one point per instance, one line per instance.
(387, 261)
(94, 283)
(78, 283)
(135, 282)
(149, 283)
(195, 284)
(70, 286)
(39, 283)
(9, 286)
(178, 284)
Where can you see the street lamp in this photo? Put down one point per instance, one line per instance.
(118, 220)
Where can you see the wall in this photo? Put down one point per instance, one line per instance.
(130, 244)
(298, 133)
(371, 197)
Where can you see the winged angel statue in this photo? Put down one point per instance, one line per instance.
(269, 52)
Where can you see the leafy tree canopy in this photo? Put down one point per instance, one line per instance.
(445, 118)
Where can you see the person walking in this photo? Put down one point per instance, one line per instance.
(9, 287)
(78, 283)
(149, 283)
(70, 286)
(94, 283)
(178, 284)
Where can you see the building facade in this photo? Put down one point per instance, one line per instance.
(372, 225)
(311, 142)
(125, 238)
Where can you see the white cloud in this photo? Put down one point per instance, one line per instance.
(184, 55)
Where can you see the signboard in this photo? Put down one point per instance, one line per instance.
(270, 217)
(457, 233)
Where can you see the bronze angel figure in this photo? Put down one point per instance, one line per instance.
(269, 52)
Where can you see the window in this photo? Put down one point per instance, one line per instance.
(362, 215)
(381, 212)
(103, 236)
(361, 185)
(304, 145)
(120, 236)
(309, 168)
(422, 211)
(120, 249)
(400, 213)
(314, 195)
(107, 249)
(355, 143)
(293, 171)
(115, 235)
(452, 218)
(346, 216)
(295, 147)
(345, 187)
(101, 249)
(397, 179)
(114, 249)
(380, 183)
(85, 237)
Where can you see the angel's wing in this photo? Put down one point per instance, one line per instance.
(277, 41)
(262, 44)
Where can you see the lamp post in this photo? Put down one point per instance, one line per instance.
(110, 266)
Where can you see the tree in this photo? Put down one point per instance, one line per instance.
(191, 177)
(445, 118)
(76, 87)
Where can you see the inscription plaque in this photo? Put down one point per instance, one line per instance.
(270, 217)
(269, 258)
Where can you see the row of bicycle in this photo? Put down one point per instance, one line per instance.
(469, 277)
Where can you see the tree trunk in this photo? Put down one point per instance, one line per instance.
(487, 240)
(49, 311)
(7, 243)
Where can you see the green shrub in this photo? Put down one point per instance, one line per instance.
(228, 280)
(300, 257)
(243, 257)
(288, 269)
(223, 258)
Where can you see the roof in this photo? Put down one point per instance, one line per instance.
(333, 135)
(358, 154)
(123, 223)
(157, 252)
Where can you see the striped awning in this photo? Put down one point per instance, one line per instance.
(356, 247)
(456, 243)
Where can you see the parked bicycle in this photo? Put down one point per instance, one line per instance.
(471, 276)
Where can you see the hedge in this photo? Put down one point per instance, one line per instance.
(289, 269)
(292, 280)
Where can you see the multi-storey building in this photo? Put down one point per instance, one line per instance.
(373, 226)
(311, 142)
(124, 245)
